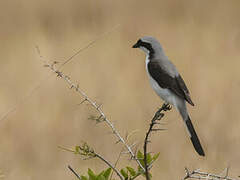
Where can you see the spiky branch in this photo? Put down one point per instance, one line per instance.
(67, 79)
(157, 117)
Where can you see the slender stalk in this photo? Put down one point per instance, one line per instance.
(111, 166)
(74, 172)
(157, 117)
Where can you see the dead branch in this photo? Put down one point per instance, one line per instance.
(197, 174)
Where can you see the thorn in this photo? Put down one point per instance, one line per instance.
(118, 141)
(82, 101)
(59, 74)
(77, 87)
(99, 117)
(98, 106)
(68, 78)
(135, 152)
(125, 152)
(126, 136)
(134, 144)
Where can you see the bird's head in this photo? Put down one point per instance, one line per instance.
(149, 45)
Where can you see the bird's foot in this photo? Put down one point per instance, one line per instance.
(166, 107)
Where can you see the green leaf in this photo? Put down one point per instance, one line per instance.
(100, 177)
(140, 155)
(101, 173)
(131, 171)
(124, 173)
(91, 175)
(155, 156)
(149, 158)
(107, 173)
(150, 175)
(140, 170)
(77, 150)
(84, 178)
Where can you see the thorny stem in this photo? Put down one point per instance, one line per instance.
(94, 105)
(196, 174)
(157, 117)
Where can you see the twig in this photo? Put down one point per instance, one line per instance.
(74, 172)
(197, 174)
(30, 93)
(111, 166)
(157, 117)
(116, 162)
(88, 45)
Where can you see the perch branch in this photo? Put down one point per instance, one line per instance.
(157, 117)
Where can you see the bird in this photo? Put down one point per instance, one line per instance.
(168, 83)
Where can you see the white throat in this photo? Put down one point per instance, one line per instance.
(147, 60)
(145, 50)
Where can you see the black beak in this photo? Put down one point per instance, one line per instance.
(136, 45)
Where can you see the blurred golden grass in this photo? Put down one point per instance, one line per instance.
(201, 37)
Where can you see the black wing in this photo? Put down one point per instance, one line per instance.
(164, 80)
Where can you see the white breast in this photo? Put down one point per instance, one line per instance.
(165, 94)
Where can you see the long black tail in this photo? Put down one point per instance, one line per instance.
(194, 138)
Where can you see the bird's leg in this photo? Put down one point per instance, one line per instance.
(159, 114)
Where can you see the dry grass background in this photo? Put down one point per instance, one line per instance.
(201, 37)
